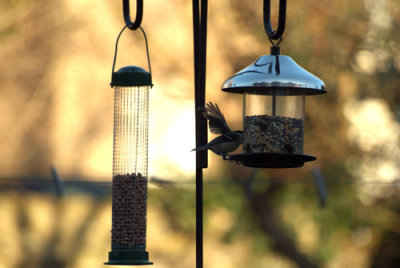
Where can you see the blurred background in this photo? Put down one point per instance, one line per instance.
(57, 118)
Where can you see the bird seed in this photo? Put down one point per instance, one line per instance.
(277, 134)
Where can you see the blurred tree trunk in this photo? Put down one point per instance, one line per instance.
(388, 255)
(264, 214)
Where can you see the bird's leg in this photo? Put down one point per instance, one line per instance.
(223, 155)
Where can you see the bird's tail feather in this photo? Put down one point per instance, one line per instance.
(200, 148)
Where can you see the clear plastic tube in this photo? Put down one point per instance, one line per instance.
(130, 160)
(131, 124)
(273, 123)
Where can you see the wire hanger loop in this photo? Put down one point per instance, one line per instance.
(116, 48)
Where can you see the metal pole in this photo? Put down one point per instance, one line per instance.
(274, 103)
(200, 44)
(199, 218)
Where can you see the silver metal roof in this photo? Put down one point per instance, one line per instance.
(274, 74)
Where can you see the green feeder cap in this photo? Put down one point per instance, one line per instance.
(130, 76)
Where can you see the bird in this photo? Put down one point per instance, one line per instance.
(228, 141)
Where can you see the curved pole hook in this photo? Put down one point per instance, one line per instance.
(275, 35)
(139, 14)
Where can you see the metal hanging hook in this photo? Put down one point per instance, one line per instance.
(127, 16)
(275, 35)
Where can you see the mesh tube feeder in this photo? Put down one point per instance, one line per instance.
(130, 170)
(130, 162)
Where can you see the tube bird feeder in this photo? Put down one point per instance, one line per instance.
(130, 157)
(130, 166)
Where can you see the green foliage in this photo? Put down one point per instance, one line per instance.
(178, 207)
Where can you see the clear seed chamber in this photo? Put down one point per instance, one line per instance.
(130, 160)
(273, 123)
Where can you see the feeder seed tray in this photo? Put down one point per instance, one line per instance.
(271, 160)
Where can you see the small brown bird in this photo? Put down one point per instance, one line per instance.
(228, 141)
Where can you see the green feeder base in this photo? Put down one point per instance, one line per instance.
(128, 258)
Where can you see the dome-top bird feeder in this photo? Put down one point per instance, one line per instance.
(274, 88)
(130, 158)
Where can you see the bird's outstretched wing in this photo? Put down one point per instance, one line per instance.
(216, 120)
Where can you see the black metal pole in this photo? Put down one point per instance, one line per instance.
(199, 218)
(200, 44)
